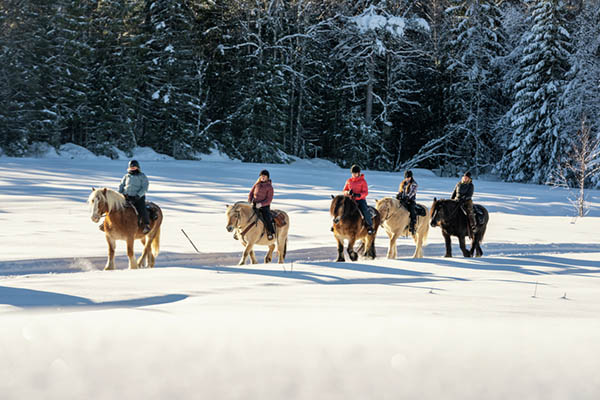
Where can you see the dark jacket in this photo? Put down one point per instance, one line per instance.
(408, 189)
(463, 191)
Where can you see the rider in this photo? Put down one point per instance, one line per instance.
(261, 196)
(463, 192)
(407, 194)
(356, 187)
(134, 186)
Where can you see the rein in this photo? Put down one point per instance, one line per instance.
(250, 226)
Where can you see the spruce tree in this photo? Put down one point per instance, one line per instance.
(537, 144)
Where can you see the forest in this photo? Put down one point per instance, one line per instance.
(504, 87)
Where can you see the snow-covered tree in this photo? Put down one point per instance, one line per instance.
(537, 144)
(473, 99)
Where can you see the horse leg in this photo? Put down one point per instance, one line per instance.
(340, 249)
(463, 247)
(353, 255)
(146, 253)
(370, 247)
(130, 254)
(281, 248)
(477, 246)
(392, 251)
(253, 257)
(418, 239)
(245, 254)
(448, 241)
(112, 245)
(269, 255)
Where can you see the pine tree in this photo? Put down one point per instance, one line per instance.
(474, 97)
(538, 144)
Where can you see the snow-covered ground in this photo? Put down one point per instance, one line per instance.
(520, 322)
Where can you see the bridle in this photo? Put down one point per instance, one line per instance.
(237, 216)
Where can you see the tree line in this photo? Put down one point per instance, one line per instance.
(488, 85)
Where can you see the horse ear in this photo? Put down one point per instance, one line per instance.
(93, 188)
(434, 199)
(226, 205)
(332, 196)
(104, 191)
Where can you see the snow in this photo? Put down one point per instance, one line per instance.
(520, 322)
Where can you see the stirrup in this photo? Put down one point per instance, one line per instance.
(370, 230)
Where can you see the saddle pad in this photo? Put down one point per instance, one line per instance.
(479, 214)
(420, 210)
(278, 217)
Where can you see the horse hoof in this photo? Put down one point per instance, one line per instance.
(448, 255)
(353, 256)
(340, 259)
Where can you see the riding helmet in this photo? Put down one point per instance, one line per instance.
(134, 164)
(355, 169)
(265, 172)
(408, 174)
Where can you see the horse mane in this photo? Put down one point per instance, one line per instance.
(114, 200)
(345, 202)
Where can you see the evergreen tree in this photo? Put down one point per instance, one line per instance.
(538, 144)
(474, 96)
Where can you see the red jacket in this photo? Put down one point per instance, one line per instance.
(358, 185)
(261, 192)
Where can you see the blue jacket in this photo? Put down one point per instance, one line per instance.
(134, 184)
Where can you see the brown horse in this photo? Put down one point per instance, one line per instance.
(395, 218)
(348, 224)
(121, 223)
(250, 229)
(450, 216)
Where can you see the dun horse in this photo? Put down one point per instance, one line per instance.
(449, 215)
(348, 224)
(121, 223)
(250, 229)
(395, 218)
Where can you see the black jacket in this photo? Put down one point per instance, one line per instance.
(463, 191)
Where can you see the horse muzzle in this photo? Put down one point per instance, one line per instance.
(95, 218)
(229, 228)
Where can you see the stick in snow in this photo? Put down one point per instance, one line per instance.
(195, 248)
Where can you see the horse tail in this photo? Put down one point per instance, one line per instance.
(156, 243)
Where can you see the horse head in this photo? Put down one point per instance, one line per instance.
(384, 207)
(97, 202)
(235, 215)
(435, 213)
(343, 207)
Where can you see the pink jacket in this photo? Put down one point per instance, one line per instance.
(261, 192)
(358, 185)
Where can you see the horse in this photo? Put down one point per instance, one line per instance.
(348, 224)
(121, 223)
(449, 215)
(250, 229)
(395, 218)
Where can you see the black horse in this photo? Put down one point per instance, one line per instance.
(449, 215)
(348, 224)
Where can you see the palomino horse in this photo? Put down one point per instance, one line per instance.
(395, 218)
(348, 224)
(121, 223)
(250, 229)
(449, 215)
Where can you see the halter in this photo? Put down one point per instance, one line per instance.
(238, 227)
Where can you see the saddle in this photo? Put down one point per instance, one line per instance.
(479, 215)
(419, 209)
(278, 218)
(150, 207)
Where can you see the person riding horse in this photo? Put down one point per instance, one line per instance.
(134, 186)
(356, 187)
(463, 193)
(261, 196)
(407, 194)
